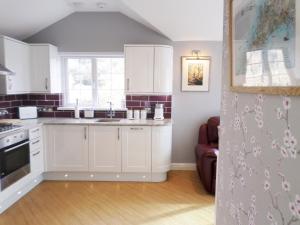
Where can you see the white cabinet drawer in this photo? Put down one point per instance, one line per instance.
(35, 144)
(36, 162)
(35, 133)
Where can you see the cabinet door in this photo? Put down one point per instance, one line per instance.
(40, 64)
(136, 149)
(44, 64)
(67, 148)
(104, 149)
(17, 59)
(161, 148)
(139, 69)
(163, 70)
(36, 162)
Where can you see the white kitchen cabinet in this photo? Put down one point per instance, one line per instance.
(136, 149)
(139, 69)
(105, 149)
(163, 69)
(148, 69)
(161, 148)
(67, 148)
(15, 55)
(36, 162)
(45, 74)
(36, 151)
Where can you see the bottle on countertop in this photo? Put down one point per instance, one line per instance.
(77, 112)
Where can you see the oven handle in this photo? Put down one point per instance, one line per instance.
(10, 149)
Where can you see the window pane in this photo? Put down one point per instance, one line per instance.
(117, 66)
(95, 85)
(110, 82)
(79, 72)
(118, 82)
(104, 81)
(104, 65)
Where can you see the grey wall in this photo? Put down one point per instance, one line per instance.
(191, 109)
(108, 32)
(259, 159)
(96, 32)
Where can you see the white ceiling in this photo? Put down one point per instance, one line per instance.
(183, 20)
(180, 20)
(22, 18)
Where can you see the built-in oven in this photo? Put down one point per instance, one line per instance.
(14, 157)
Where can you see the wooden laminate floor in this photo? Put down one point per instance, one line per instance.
(179, 201)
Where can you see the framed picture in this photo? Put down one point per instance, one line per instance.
(195, 73)
(265, 46)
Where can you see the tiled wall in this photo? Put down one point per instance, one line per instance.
(52, 101)
(12, 102)
(140, 101)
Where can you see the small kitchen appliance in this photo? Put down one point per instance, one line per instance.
(159, 112)
(27, 112)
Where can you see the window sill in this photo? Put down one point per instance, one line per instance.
(89, 108)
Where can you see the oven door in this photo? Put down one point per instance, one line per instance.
(15, 163)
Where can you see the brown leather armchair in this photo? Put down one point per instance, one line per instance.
(207, 152)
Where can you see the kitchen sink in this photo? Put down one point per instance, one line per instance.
(108, 120)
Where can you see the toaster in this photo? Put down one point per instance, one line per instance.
(27, 112)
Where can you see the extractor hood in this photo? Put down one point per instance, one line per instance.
(5, 71)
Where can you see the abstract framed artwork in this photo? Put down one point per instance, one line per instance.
(195, 73)
(264, 40)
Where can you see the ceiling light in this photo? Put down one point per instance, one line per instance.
(77, 4)
(101, 5)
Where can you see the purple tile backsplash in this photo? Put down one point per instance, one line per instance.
(140, 101)
(52, 101)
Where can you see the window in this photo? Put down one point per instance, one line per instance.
(94, 81)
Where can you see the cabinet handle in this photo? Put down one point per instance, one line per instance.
(136, 128)
(36, 130)
(35, 154)
(85, 133)
(118, 133)
(46, 84)
(35, 142)
(128, 83)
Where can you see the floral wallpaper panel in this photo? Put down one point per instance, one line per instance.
(259, 163)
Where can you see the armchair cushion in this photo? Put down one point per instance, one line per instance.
(207, 153)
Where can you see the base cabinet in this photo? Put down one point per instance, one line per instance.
(105, 149)
(132, 153)
(161, 149)
(136, 149)
(67, 148)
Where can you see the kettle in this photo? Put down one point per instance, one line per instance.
(159, 112)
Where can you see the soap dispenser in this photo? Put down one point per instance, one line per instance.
(77, 112)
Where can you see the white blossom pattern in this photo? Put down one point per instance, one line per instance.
(259, 154)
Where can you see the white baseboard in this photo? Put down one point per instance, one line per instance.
(183, 166)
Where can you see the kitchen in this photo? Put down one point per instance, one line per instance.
(79, 106)
(132, 149)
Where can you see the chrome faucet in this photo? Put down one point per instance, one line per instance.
(3, 112)
(110, 113)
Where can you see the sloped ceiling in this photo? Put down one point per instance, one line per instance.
(182, 20)
(22, 18)
(179, 20)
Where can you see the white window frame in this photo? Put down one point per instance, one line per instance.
(93, 56)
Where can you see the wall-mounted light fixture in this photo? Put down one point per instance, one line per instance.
(196, 53)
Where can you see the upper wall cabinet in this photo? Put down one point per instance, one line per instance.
(15, 55)
(45, 69)
(148, 69)
(163, 69)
